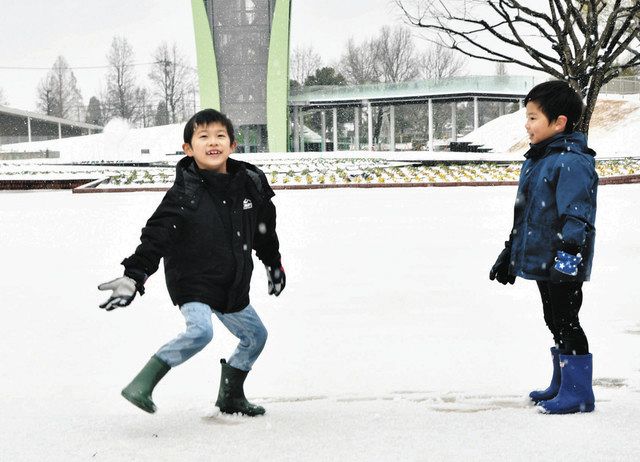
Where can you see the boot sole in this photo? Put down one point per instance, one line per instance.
(572, 410)
(237, 411)
(139, 404)
(539, 400)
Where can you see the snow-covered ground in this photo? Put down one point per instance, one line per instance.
(389, 342)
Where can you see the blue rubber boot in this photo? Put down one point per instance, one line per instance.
(576, 390)
(551, 392)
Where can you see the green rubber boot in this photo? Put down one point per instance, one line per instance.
(231, 399)
(138, 392)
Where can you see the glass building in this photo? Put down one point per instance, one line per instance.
(243, 60)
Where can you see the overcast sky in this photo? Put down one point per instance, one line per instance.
(35, 32)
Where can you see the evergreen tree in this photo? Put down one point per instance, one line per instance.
(94, 112)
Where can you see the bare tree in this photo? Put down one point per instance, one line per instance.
(438, 63)
(388, 57)
(58, 93)
(45, 99)
(3, 100)
(171, 78)
(358, 64)
(120, 94)
(303, 63)
(585, 42)
(143, 108)
(395, 52)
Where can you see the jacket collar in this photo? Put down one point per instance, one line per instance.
(189, 177)
(574, 141)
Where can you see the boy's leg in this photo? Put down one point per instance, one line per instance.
(198, 333)
(547, 308)
(248, 328)
(554, 386)
(566, 300)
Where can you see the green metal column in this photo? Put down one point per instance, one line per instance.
(206, 58)
(278, 78)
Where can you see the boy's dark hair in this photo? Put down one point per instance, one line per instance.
(206, 117)
(556, 98)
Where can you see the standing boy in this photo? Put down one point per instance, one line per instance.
(205, 228)
(553, 234)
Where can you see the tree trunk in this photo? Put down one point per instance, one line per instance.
(592, 97)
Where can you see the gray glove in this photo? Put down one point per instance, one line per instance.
(276, 278)
(124, 291)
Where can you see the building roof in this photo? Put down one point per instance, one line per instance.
(489, 87)
(35, 115)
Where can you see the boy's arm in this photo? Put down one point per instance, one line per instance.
(266, 244)
(574, 197)
(265, 241)
(160, 232)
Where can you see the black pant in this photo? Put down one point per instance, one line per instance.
(561, 303)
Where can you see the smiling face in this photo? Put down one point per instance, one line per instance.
(210, 147)
(538, 126)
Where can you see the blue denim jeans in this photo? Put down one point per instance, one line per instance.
(245, 325)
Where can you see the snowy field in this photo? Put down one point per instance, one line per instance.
(389, 342)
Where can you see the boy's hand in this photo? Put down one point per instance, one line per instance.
(500, 269)
(124, 291)
(565, 268)
(277, 279)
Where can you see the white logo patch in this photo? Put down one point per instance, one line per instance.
(246, 204)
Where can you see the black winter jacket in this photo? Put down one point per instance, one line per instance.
(205, 229)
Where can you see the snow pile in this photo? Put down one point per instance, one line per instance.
(117, 142)
(614, 130)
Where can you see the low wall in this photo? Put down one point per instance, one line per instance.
(611, 180)
(25, 184)
(29, 155)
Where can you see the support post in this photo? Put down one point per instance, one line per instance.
(476, 116)
(369, 127)
(335, 129)
(392, 128)
(430, 125)
(356, 127)
(296, 130)
(454, 121)
(323, 132)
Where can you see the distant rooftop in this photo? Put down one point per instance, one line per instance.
(505, 87)
(43, 117)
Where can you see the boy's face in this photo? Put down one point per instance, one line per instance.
(210, 147)
(538, 127)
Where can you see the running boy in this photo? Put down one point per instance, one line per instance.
(205, 228)
(552, 239)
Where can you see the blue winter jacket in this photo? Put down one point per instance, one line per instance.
(555, 207)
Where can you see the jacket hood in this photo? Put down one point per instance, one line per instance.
(189, 176)
(574, 141)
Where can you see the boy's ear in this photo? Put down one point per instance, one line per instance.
(560, 124)
(234, 145)
(188, 150)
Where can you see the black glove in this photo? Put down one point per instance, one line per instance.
(124, 291)
(500, 269)
(277, 279)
